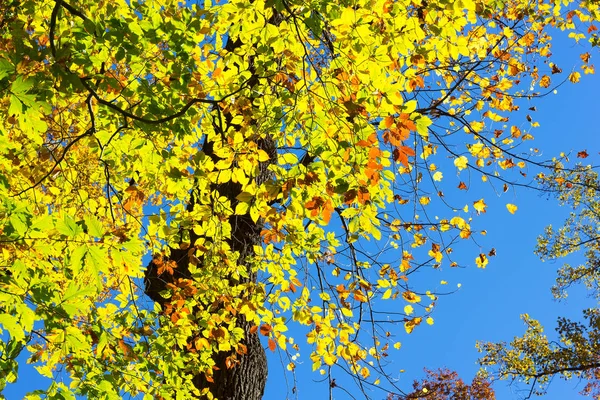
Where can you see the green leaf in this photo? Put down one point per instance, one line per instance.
(20, 86)
(6, 68)
(15, 107)
(11, 324)
(18, 223)
(241, 208)
(102, 342)
(423, 123)
(73, 291)
(68, 227)
(245, 197)
(94, 226)
(43, 223)
(77, 257)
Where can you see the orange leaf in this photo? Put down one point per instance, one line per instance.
(401, 154)
(388, 121)
(272, 345)
(411, 297)
(265, 329)
(296, 282)
(327, 210)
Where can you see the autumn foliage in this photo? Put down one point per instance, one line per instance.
(289, 166)
(447, 385)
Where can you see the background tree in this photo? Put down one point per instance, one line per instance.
(534, 358)
(446, 385)
(281, 160)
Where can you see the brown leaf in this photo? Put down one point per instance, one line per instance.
(555, 69)
(349, 196)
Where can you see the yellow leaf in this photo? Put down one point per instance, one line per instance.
(458, 222)
(481, 261)
(429, 321)
(477, 126)
(437, 176)
(404, 266)
(242, 208)
(383, 283)
(493, 116)
(419, 240)
(410, 325)
(364, 372)
(511, 208)
(282, 341)
(515, 132)
(387, 294)
(408, 309)
(479, 205)
(545, 81)
(574, 77)
(329, 359)
(263, 156)
(461, 162)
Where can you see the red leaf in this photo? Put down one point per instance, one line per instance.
(582, 154)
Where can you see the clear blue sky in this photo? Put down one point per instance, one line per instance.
(488, 305)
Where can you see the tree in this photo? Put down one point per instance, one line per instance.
(277, 160)
(533, 358)
(445, 385)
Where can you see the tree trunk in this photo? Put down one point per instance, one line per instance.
(245, 380)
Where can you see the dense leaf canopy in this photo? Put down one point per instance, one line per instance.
(324, 128)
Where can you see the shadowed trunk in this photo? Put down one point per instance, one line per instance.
(246, 379)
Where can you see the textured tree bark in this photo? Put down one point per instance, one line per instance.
(246, 380)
